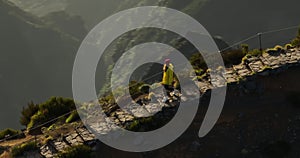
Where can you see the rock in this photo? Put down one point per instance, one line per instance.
(152, 97)
(232, 80)
(238, 67)
(233, 74)
(120, 113)
(123, 119)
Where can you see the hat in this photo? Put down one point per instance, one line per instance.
(167, 60)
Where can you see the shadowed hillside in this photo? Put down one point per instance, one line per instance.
(232, 19)
(36, 60)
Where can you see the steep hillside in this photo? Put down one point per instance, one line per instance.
(93, 11)
(65, 23)
(41, 7)
(231, 19)
(260, 119)
(36, 61)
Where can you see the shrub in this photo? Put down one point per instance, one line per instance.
(278, 47)
(144, 88)
(134, 89)
(54, 107)
(233, 57)
(199, 71)
(10, 132)
(19, 150)
(73, 117)
(265, 68)
(78, 151)
(197, 61)
(146, 124)
(245, 48)
(133, 126)
(3, 149)
(296, 41)
(271, 51)
(37, 119)
(107, 99)
(28, 112)
(230, 57)
(57, 105)
(245, 58)
(202, 77)
(288, 46)
(47, 139)
(255, 52)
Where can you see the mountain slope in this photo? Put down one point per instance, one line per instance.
(36, 61)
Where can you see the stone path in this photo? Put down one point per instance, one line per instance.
(265, 65)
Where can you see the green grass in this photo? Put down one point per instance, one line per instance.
(266, 68)
(52, 108)
(233, 57)
(296, 41)
(79, 151)
(8, 131)
(288, 46)
(19, 150)
(3, 149)
(137, 124)
(73, 117)
(255, 52)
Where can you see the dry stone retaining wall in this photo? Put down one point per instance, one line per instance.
(265, 65)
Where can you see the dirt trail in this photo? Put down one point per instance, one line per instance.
(4, 155)
(12, 143)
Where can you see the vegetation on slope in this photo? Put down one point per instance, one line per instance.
(296, 41)
(21, 149)
(10, 133)
(36, 114)
(78, 151)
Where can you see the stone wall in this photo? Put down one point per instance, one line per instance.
(250, 83)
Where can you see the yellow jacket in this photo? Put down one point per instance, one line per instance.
(168, 75)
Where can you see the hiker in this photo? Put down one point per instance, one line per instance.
(168, 78)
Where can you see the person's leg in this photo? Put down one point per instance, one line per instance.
(165, 93)
(166, 90)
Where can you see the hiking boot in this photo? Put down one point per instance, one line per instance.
(165, 99)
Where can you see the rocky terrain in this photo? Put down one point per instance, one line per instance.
(260, 117)
(48, 33)
(257, 121)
